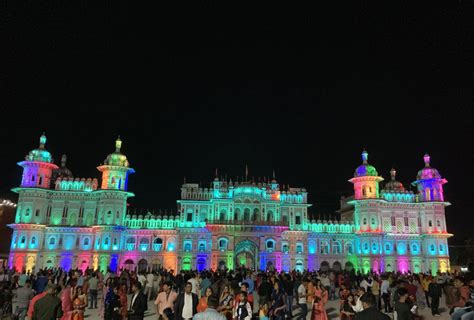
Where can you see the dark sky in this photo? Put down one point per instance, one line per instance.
(301, 92)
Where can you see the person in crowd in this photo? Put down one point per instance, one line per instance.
(385, 291)
(138, 303)
(370, 311)
(347, 311)
(112, 305)
(226, 300)
(277, 302)
(49, 306)
(79, 303)
(23, 295)
(434, 292)
(402, 308)
(202, 304)
(165, 299)
(243, 310)
(301, 299)
(263, 312)
(466, 312)
(186, 303)
(211, 312)
(93, 290)
(288, 288)
(319, 303)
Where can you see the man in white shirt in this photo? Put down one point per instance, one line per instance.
(149, 284)
(385, 291)
(186, 303)
(365, 284)
(302, 299)
(195, 282)
(142, 279)
(358, 306)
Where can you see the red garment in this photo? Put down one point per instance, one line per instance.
(464, 297)
(411, 288)
(32, 303)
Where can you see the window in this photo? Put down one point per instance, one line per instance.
(189, 217)
(441, 248)
(157, 244)
(106, 241)
(393, 221)
(23, 239)
(297, 220)
(438, 223)
(222, 244)
(269, 216)
(187, 245)
(65, 212)
(27, 212)
(270, 244)
(222, 215)
(364, 222)
(419, 222)
(374, 247)
(430, 223)
(285, 218)
(406, 221)
(40, 180)
(366, 246)
(336, 248)
(246, 214)
(285, 248)
(117, 215)
(414, 248)
(349, 248)
(202, 247)
(432, 248)
(299, 248)
(373, 221)
(86, 242)
(387, 247)
(37, 213)
(52, 241)
(364, 192)
(33, 240)
(324, 247)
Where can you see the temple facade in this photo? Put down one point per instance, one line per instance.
(79, 223)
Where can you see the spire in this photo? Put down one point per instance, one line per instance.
(63, 161)
(365, 157)
(216, 175)
(393, 173)
(273, 174)
(246, 172)
(426, 158)
(42, 141)
(184, 180)
(118, 144)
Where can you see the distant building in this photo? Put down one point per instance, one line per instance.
(74, 222)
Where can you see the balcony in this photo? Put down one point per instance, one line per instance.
(157, 246)
(130, 246)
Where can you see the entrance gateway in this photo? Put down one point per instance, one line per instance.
(246, 253)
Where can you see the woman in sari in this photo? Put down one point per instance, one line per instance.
(226, 301)
(202, 305)
(123, 301)
(319, 303)
(66, 300)
(79, 303)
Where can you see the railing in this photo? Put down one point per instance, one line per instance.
(157, 246)
(254, 223)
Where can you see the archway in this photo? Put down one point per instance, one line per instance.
(246, 252)
(348, 266)
(221, 265)
(142, 265)
(324, 266)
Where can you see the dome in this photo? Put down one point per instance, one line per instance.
(365, 169)
(427, 172)
(40, 154)
(117, 158)
(63, 171)
(393, 184)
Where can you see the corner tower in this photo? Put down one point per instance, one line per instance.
(38, 167)
(429, 183)
(366, 180)
(115, 170)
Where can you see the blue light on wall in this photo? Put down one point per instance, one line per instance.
(401, 247)
(312, 247)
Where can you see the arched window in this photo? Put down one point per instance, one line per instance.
(433, 249)
(106, 241)
(299, 247)
(270, 245)
(202, 246)
(256, 215)
(428, 194)
(373, 221)
(364, 221)
(364, 193)
(349, 248)
(441, 248)
(222, 244)
(285, 218)
(387, 247)
(52, 241)
(237, 214)
(366, 246)
(86, 241)
(23, 239)
(157, 244)
(438, 223)
(222, 215)
(188, 245)
(144, 242)
(324, 247)
(189, 217)
(430, 223)
(33, 240)
(285, 247)
(270, 215)
(336, 248)
(246, 214)
(414, 248)
(27, 212)
(117, 215)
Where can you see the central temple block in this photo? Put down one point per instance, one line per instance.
(79, 223)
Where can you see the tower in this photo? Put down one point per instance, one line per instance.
(366, 180)
(429, 183)
(115, 170)
(38, 167)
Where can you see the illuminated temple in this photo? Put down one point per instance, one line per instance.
(79, 223)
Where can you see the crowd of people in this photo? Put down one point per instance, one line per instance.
(243, 294)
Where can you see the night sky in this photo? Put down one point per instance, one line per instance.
(301, 93)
